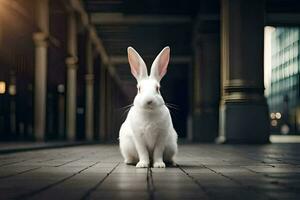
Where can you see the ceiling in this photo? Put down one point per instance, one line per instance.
(148, 26)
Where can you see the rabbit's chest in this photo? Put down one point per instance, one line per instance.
(148, 130)
(150, 133)
(149, 127)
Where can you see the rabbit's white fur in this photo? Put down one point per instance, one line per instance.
(147, 135)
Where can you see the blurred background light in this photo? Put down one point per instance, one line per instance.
(272, 115)
(278, 115)
(274, 122)
(61, 88)
(2, 87)
(12, 90)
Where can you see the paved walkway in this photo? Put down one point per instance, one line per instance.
(203, 172)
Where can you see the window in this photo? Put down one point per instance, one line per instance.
(284, 69)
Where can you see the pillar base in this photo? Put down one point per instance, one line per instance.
(204, 127)
(244, 123)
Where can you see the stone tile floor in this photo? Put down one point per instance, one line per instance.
(203, 171)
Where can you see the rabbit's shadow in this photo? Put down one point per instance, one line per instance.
(186, 166)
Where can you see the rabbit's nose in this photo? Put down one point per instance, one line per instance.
(149, 102)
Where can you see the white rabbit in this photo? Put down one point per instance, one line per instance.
(147, 135)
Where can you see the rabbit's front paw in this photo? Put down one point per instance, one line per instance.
(128, 162)
(142, 164)
(159, 165)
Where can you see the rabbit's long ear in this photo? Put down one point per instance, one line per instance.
(137, 64)
(160, 64)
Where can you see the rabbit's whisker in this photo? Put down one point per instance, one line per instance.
(173, 106)
(170, 104)
(128, 106)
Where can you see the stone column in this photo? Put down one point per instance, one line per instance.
(12, 92)
(89, 95)
(108, 109)
(1, 32)
(206, 86)
(71, 62)
(40, 77)
(61, 111)
(103, 105)
(243, 109)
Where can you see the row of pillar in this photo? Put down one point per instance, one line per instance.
(41, 39)
(242, 109)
